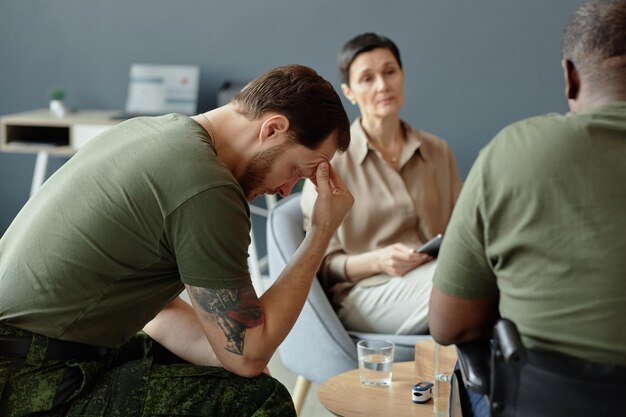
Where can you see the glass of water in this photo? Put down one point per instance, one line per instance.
(375, 362)
(445, 357)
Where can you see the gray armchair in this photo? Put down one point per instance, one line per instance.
(318, 347)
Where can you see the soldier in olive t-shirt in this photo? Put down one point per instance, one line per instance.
(540, 222)
(145, 205)
(538, 233)
(149, 208)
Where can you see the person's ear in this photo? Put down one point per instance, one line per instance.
(572, 79)
(348, 93)
(273, 126)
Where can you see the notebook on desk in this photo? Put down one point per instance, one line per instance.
(154, 90)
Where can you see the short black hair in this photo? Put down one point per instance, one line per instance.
(595, 34)
(364, 42)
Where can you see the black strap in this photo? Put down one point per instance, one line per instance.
(20, 346)
(571, 367)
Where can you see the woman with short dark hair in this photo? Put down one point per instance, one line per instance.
(405, 183)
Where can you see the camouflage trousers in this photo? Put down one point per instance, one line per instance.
(140, 379)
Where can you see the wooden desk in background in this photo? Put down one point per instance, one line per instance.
(39, 132)
(345, 396)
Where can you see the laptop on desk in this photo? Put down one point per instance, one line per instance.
(154, 90)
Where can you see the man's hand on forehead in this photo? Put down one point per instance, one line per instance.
(313, 178)
(335, 183)
(333, 199)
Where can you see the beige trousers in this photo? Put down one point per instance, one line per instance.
(392, 305)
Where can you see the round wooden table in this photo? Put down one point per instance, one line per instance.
(345, 396)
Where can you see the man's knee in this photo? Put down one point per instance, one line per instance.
(269, 396)
(197, 390)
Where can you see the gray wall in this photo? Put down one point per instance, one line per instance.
(471, 66)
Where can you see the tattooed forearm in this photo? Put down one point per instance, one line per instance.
(234, 310)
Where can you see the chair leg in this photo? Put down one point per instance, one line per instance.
(299, 392)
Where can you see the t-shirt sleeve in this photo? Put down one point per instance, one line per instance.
(463, 269)
(209, 235)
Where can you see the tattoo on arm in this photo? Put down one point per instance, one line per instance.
(234, 310)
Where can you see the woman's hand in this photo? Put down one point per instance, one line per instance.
(394, 260)
(398, 259)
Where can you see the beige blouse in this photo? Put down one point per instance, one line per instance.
(409, 206)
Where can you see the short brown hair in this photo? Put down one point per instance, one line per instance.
(297, 92)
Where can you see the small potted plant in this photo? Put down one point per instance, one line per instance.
(57, 105)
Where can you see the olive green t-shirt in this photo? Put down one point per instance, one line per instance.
(112, 236)
(541, 221)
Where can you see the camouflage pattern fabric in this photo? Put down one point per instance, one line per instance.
(140, 379)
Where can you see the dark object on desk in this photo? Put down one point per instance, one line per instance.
(522, 382)
(228, 90)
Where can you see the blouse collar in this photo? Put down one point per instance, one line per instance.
(360, 147)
